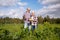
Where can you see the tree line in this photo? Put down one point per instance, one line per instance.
(48, 19)
(10, 20)
(40, 20)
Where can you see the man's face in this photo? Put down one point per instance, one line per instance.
(28, 9)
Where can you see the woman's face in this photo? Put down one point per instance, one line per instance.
(33, 14)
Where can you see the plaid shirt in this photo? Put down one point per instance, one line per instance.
(26, 17)
(34, 22)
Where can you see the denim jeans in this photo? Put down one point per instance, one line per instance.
(33, 27)
(27, 25)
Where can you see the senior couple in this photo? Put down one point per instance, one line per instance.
(30, 20)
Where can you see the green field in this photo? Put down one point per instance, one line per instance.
(44, 31)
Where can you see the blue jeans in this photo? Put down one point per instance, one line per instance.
(33, 27)
(27, 25)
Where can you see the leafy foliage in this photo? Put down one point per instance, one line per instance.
(44, 31)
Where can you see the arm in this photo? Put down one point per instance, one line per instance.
(24, 17)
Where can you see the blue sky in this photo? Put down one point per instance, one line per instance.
(33, 4)
(16, 8)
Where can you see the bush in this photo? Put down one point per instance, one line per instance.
(44, 31)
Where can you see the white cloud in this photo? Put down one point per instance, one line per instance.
(12, 13)
(11, 3)
(46, 2)
(17, 13)
(52, 9)
(8, 2)
(49, 1)
(1, 14)
(22, 3)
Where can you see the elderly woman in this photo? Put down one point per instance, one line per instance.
(33, 20)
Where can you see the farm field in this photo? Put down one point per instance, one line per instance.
(44, 31)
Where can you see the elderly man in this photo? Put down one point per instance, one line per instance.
(26, 18)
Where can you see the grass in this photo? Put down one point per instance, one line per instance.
(44, 31)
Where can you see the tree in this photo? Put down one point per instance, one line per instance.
(40, 19)
(47, 18)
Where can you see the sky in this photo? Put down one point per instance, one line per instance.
(16, 8)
